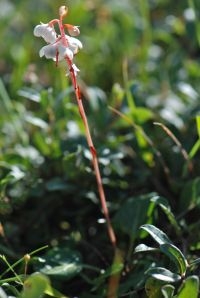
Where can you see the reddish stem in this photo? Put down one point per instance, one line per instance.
(89, 138)
(93, 153)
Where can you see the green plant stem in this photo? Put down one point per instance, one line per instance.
(11, 268)
(178, 144)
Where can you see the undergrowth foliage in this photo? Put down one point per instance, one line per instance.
(137, 96)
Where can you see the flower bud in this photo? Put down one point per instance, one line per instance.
(63, 11)
(73, 30)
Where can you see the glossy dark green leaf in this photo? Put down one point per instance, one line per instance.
(159, 236)
(176, 256)
(189, 288)
(133, 213)
(144, 248)
(64, 270)
(60, 263)
(164, 274)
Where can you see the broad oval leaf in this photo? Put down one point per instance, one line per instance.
(61, 263)
(35, 286)
(159, 236)
(163, 274)
(189, 288)
(176, 256)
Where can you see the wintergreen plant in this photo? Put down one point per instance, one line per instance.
(61, 46)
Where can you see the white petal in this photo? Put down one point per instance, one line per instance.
(49, 35)
(37, 30)
(64, 51)
(41, 52)
(48, 51)
(45, 31)
(76, 42)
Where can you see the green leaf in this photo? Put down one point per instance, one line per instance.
(164, 205)
(176, 256)
(35, 286)
(133, 213)
(144, 248)
(10, 288)
(60, 263)
(153, 288)
(141, 114)
(189, 288)
(159, 236)
(168, 291)
(64, 270)
(163, 274)
(37, 122)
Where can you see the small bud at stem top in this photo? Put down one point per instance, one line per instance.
(63, 11)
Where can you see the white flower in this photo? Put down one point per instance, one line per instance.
(60, 46)
(45, 31)
(56, 51)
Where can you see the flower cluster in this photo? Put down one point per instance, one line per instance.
(60, 46)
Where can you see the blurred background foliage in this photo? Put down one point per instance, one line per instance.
(139, 65)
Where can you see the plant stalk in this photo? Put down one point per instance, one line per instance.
(93, 154)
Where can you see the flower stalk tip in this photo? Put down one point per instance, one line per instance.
(63, 10)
